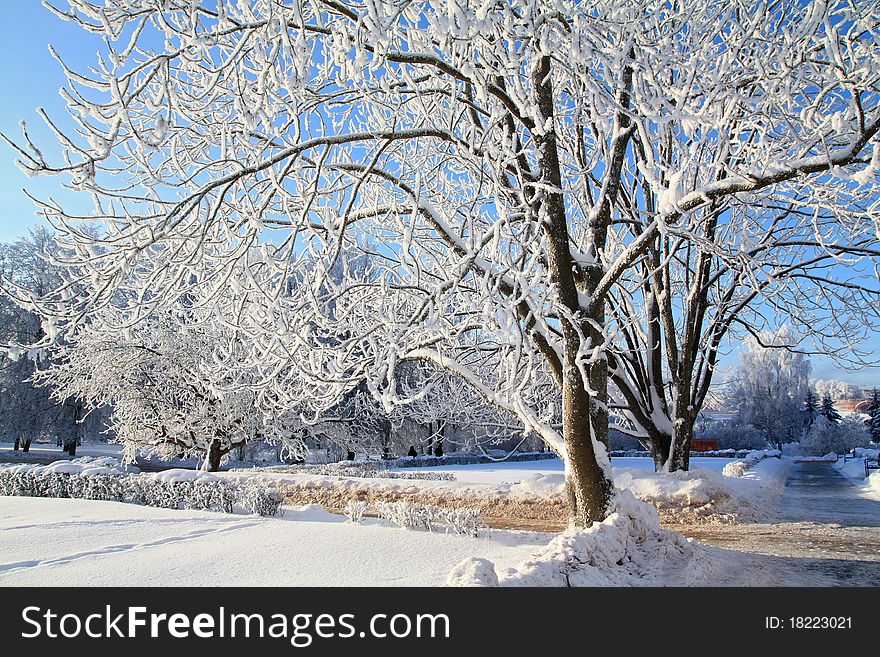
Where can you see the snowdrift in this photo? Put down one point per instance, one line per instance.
(628, 549)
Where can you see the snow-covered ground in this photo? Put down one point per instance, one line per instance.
(84, 543)
(504, 472)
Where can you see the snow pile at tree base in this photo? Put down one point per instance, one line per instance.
(628, 549)
(707, 497)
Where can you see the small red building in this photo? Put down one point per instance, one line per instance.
(703, 444)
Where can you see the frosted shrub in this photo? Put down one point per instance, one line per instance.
(429, 517)
(53, 485)
(400, 513)
(259, 500)
(359, 470)
(354, 510)
(824, 436)
(140, 489)
(462, 521)
(164, 495)
(210, 497)
(96, 487)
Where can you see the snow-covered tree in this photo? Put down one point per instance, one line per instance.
(769, 385)
(513, 161)
(171, 382)
(732, 434)
(837, 389)
(749, 265)
(29, 411)
(826, 436)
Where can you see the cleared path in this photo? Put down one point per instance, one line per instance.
(826, 532)
(816, 492)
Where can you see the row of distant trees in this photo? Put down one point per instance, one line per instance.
(29, 412)
(172, 383)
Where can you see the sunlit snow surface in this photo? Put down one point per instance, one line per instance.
(510, 472)
(84, 543)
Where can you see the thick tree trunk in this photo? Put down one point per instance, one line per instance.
(589, 487)
(584, 414)
(26, 446)
(214, 454)
(438, 447)
(660, 446)
(681, 450)
(70, 447)
(386, 443)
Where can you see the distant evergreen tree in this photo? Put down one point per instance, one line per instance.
(828, 411)
(873, 422)
(811, 408)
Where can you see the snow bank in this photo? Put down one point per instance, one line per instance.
(177, 475)
(537, 485)
(704, 496)
(855, 469)
(628, 549)
(698, 495)
(739, 468)
(86, 467)
(872, 487)
(473, 571)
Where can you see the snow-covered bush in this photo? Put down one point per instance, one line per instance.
(213, 494)
(354, 510)
(825, 437)
(359, 470)
(429, 517)
(408, 515)
(259, 500)
(462, 521)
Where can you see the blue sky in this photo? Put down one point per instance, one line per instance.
(30, 78)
